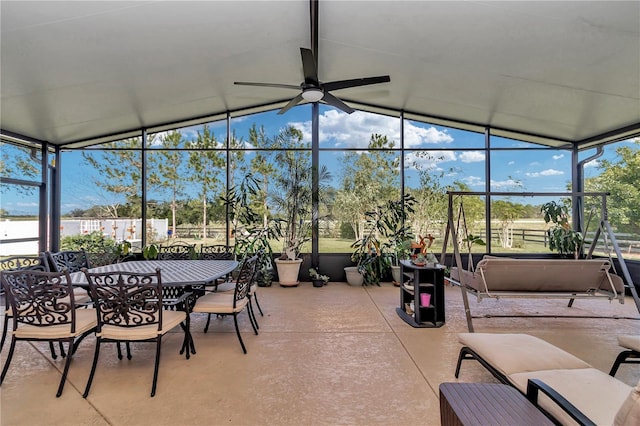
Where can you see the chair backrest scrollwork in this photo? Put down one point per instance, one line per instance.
(126, 299)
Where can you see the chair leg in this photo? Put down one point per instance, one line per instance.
(155, 369)
(93, 367)
(206, 326)
(620, 359)
(67, 364)
(53, 351)
(235, 322)
(119, 349)
(4, 331)
(463, 355)
(128, 350)
(8, 361)
(252, 317)
(255, 296)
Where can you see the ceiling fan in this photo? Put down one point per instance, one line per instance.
(312, 90)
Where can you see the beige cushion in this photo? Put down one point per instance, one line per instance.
(630, 342)
(598, 395)
(219, 303)
(629, 413)
(226, 286)
(86, 319)
(81, 296)
(170, 319)
(517, 353)
(547, 275)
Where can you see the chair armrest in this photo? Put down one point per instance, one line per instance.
(535, 385)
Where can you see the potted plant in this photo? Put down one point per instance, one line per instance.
(401, 250)
(317, 279)
(386, 223)
(249, 230)
(561, 237)
(292, 195)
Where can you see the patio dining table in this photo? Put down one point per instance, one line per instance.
(179, 276)
(175, 273)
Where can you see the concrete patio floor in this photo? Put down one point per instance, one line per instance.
(336, 355)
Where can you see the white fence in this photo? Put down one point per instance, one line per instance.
(117, 229)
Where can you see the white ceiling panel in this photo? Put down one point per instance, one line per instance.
(76, 70)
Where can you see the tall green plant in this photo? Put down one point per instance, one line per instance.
(562, 238)
(250, 235)
(386, 230)
(292, 190)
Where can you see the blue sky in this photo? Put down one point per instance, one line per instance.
(456, 153)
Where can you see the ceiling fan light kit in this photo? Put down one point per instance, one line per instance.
(312, 94)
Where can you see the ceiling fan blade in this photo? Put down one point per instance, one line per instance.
(309, 67)
(293, 102)
(282, 86)
(355, 82)
(333, 101)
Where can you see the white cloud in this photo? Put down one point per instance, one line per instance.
(511, 163)
(472, 156)
(504, 184)
(548, 172)
(419, 136)
(557, 157)
(535, 163)
(473, 181)
(428, 160)
(592, 163)
(355, 130)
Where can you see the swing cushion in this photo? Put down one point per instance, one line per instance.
(541, 275)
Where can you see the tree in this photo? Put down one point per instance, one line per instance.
(507, 212)
(264, 170)
(368, 179)
(119, 166)
(620, 178)
(19, 162)
(169, 173)
(431, 196)
(291, 192)
(205, 162)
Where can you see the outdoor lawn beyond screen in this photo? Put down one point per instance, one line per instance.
(361, 161)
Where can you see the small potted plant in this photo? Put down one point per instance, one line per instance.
(317, 279)
(419, 260)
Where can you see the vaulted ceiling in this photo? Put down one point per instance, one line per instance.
(545, 71)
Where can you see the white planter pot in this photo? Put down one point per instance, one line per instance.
(354, 277)
(288, 271)
(396, 273)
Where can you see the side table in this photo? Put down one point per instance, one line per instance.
(490, 404)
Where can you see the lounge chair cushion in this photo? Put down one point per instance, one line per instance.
(517, 353)
(630, 342)
(629, 413)
(593, 392)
